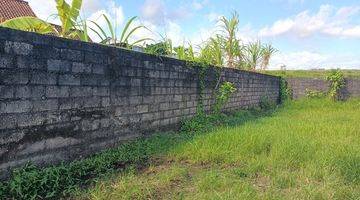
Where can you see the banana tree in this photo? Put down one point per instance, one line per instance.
(67, 13)
(31, 24)
(109, 36)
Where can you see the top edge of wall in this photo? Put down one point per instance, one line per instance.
(58, 42)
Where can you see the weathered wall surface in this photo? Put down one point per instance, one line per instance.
(300, 85)
(62, 99)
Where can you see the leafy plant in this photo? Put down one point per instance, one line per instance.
(30, 24)
(229, 28)
(337, 82)
(267, 51)
(223, 95)
(67, 13)
(285, 90)
(266, 103)
(212, 52)
(254, 55)
(312, 94)
(184, 53)
(111, 38)
(30, 182)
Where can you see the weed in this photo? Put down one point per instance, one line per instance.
(313, 94)
(337, 82)
(285, 90)
(223, 96)
(301, 151)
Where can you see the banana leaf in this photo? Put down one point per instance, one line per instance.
(30, 24)
(68, 14)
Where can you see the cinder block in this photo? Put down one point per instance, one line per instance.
(37, 92)
(58, 65)
(101, 91)
(105, 101)
(6, 92)
(72, 55)
(7, 61)
(98, 69)
(8, 121)
(69, 79)
(81, 67)
(92, 102)
(23, 92)
(85, 91)
(57, 91)
(13, 77)
(164, 106)
(43, 78)
(16, 107)
(95, 58)
(45, 105)
(18, 48)
(142, 109)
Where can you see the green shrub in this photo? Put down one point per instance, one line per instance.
(30, 182)
(266, 103)
(337, 82)
(223, 95)
(202, 123)
(285, 90)
(55, 182)
(314, 94)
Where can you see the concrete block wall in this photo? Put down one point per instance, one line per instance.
(300, 85)
(62, 99)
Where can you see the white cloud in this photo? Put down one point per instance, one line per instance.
(314, 60)
(91, 10)
(327, 21)
(44, 9)
(116, 16)
(198, 5)
(157, 13)
(47, 9)
(295, 1)
(278, 28)
(153, 11)
(213, 17)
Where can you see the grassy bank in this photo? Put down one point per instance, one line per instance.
(64, 180)
(308, 149)
(321, 74)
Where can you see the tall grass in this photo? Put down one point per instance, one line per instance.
(320, 74)
(309, 149)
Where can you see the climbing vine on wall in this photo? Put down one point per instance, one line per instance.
(285, 90)
(337, 82)
(223, 95)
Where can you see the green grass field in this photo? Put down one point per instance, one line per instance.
(307, 149)
(312, 73)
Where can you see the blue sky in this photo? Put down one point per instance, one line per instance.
(308, 34)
